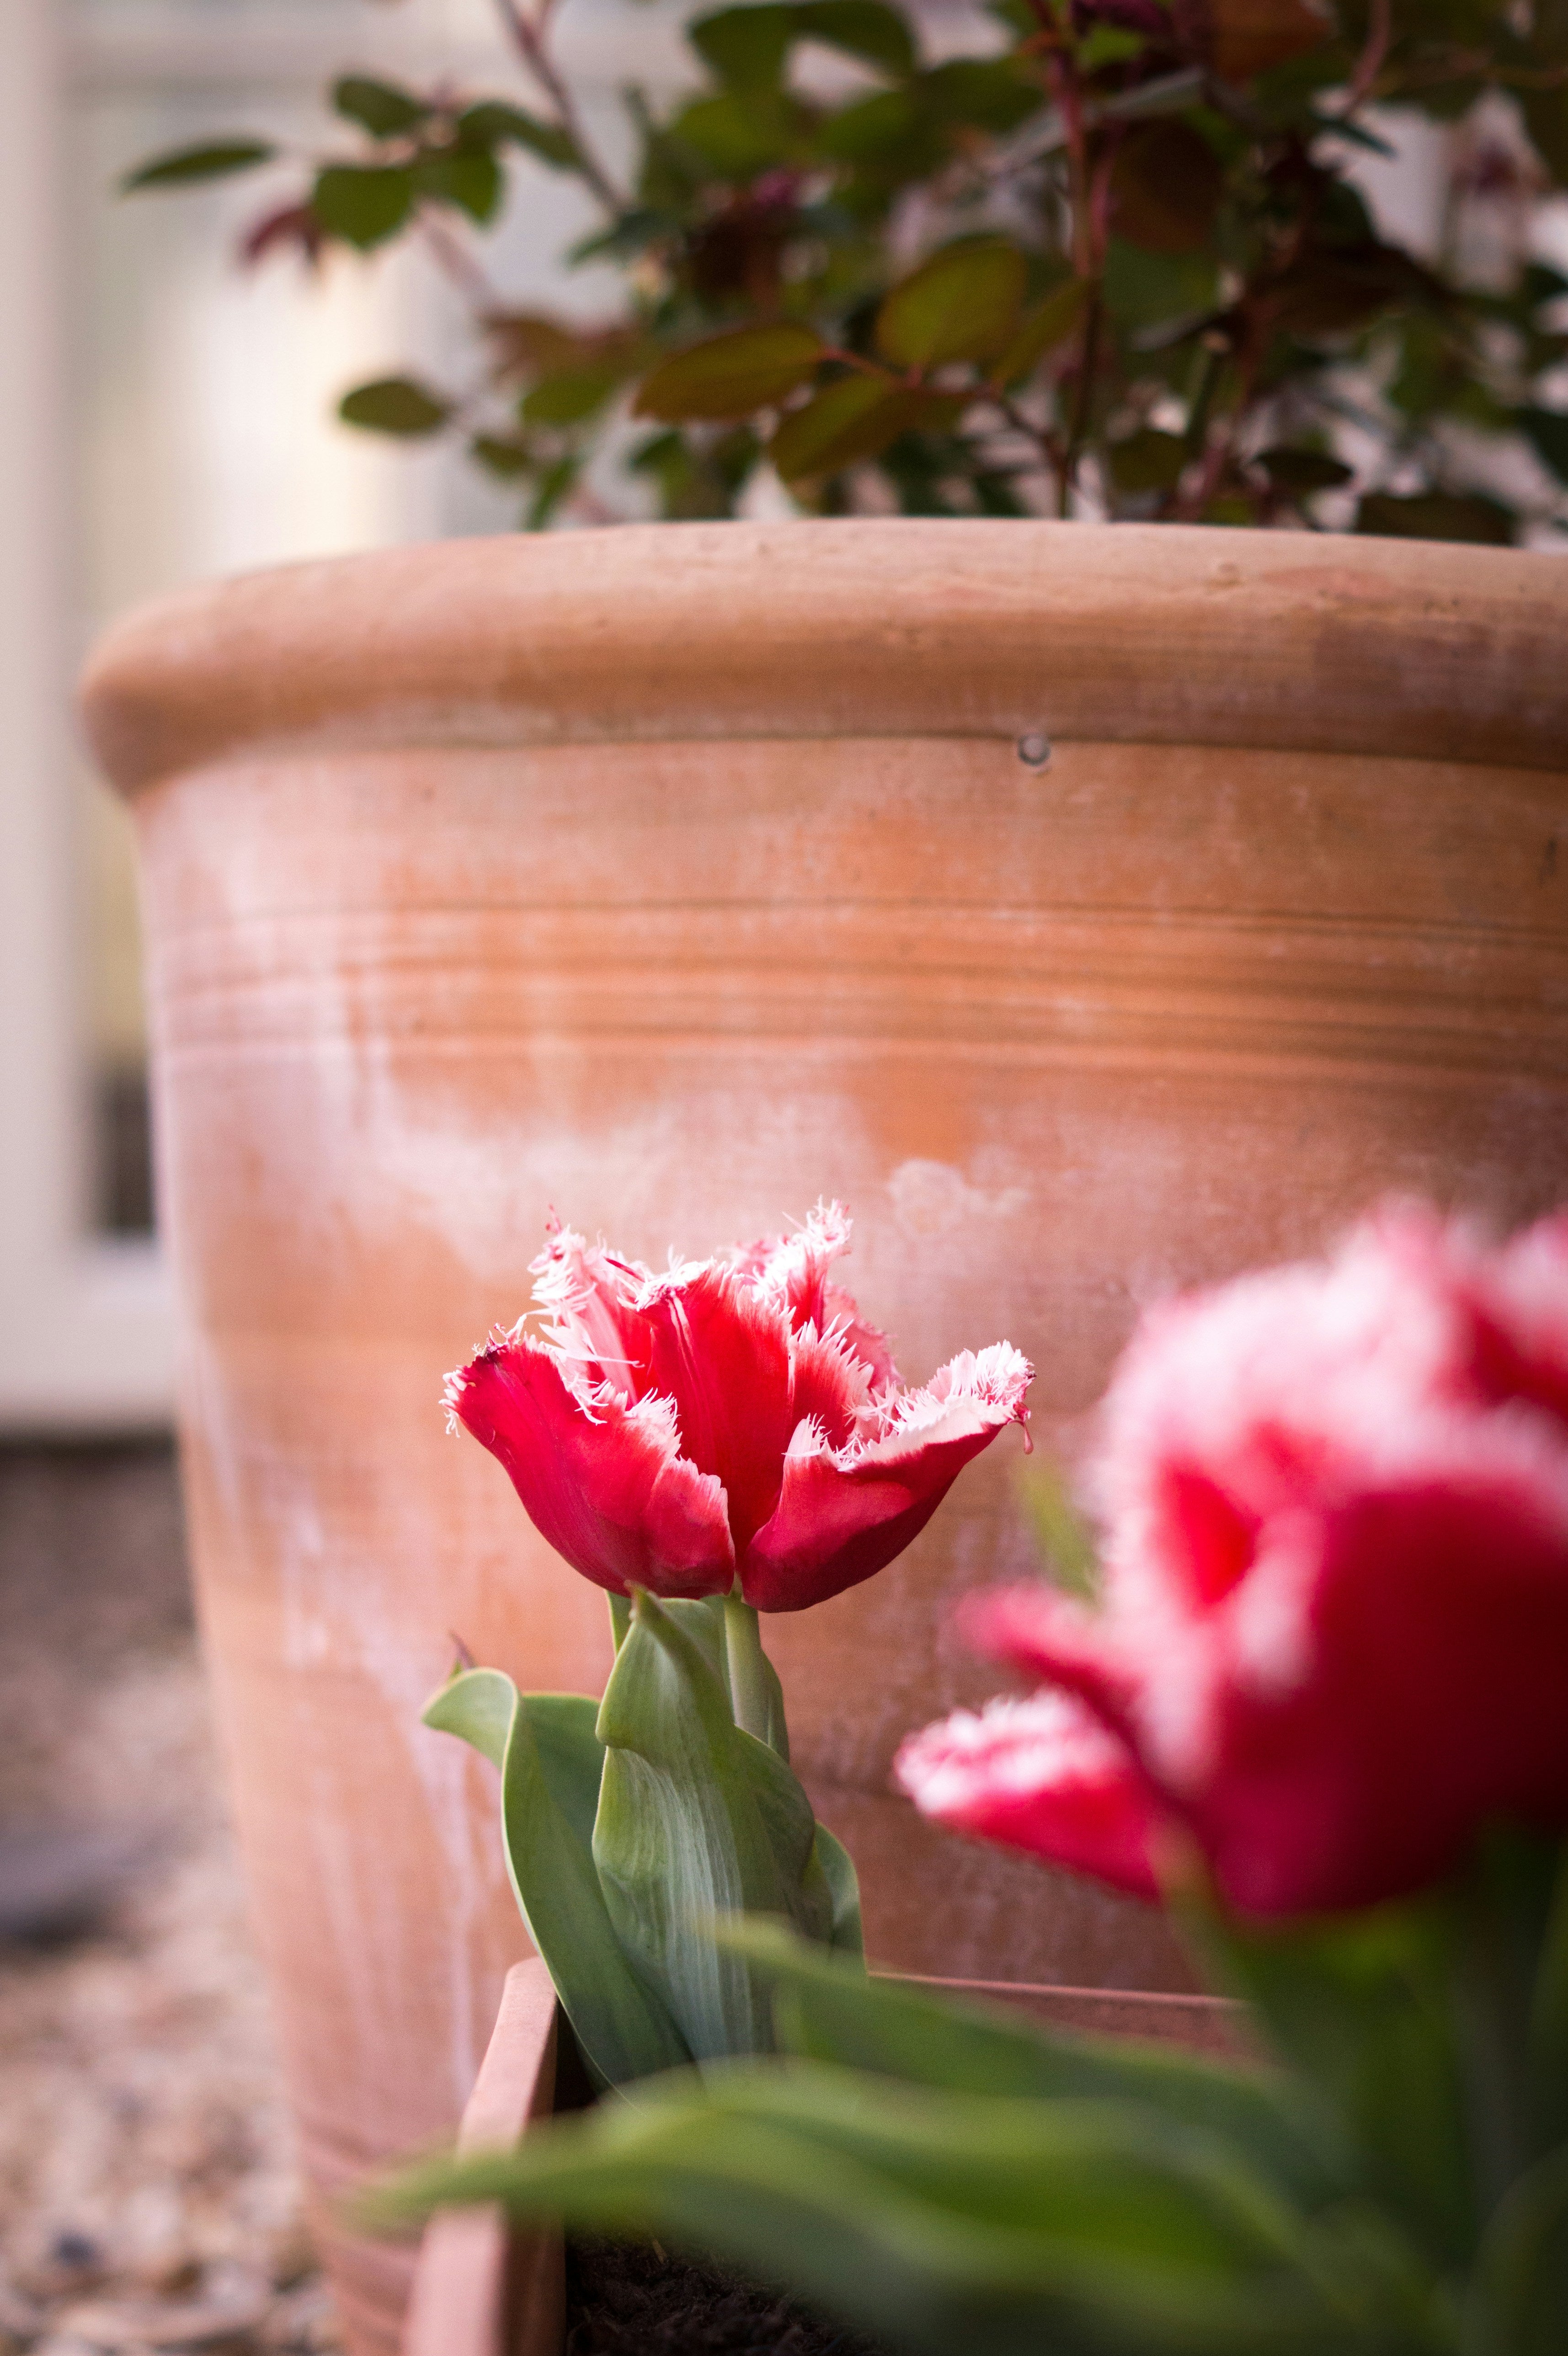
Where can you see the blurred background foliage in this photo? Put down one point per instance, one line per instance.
(1113, 261)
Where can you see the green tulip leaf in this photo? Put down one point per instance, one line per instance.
(826, 2012)
(695, 1820)
(962, 304)
(1360, 2008)
(1518, 2304)
(730, 375)
(551, 1767)
(846, 1933)
(1547, 2067)
(949, 2223)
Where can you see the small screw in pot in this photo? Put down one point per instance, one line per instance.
(1034, 750)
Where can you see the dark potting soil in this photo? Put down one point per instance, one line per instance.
(627, 2298)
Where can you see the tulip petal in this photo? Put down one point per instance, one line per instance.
(793, 1271)
(589, 1296)
(721, 1351)
(605, 1482)
(844, 1513)
(1042, 1776)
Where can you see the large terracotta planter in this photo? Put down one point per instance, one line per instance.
(674, 876)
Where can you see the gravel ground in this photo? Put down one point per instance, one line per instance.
(148, 2198)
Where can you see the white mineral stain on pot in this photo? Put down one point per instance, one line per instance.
(931, 1198)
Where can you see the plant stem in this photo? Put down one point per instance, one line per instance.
(528, 39)
(750, 1693)
(1078, 433)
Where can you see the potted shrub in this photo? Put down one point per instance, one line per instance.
(1095, 912)
(1144, 282)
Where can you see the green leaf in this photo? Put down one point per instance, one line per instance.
(865, 29)
(1165, 187)
(394, 404)
(1518, 2304)
(469, 178)
(381, 107)
(1548, 2066)
(1149, 290)
(847, 1935)
(555, 484)
(569, 396)
(747, 47)
(1436, 515)
(1067, 1546)
(949, 2225)
(825, 2012)
(1547, 432)
(551, 1766)
(364, 204)
(730, 375)
(891, 130)
(854, 418)
(695, 1820)
(996, 94)
(497, 456)
(1545, 114)
(1301, 472)
(739, 135)
(1361, 2009)
(213, 160)
(493, 124)
(1040, 331)
(1147, 460)
(962, 304)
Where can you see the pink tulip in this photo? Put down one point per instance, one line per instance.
(733, 1421)
(1333, 1639)
(1040, 1774)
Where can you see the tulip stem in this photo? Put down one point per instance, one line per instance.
(751, 1681)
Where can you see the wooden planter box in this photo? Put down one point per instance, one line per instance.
(481, 2289)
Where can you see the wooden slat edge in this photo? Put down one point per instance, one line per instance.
(480, 2289)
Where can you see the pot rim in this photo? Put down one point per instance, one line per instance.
(902, 627)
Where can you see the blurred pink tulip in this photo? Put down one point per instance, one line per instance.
(1333, 1639)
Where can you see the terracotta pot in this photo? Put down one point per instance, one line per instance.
(674, 876)
(483, 2289)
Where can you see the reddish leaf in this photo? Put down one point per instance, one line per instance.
(1166, 187)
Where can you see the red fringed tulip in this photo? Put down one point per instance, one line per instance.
(1333, 1640)
(733, 1419)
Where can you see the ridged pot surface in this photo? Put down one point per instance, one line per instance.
(674, 877)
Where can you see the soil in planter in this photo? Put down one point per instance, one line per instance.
(626, 2299)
